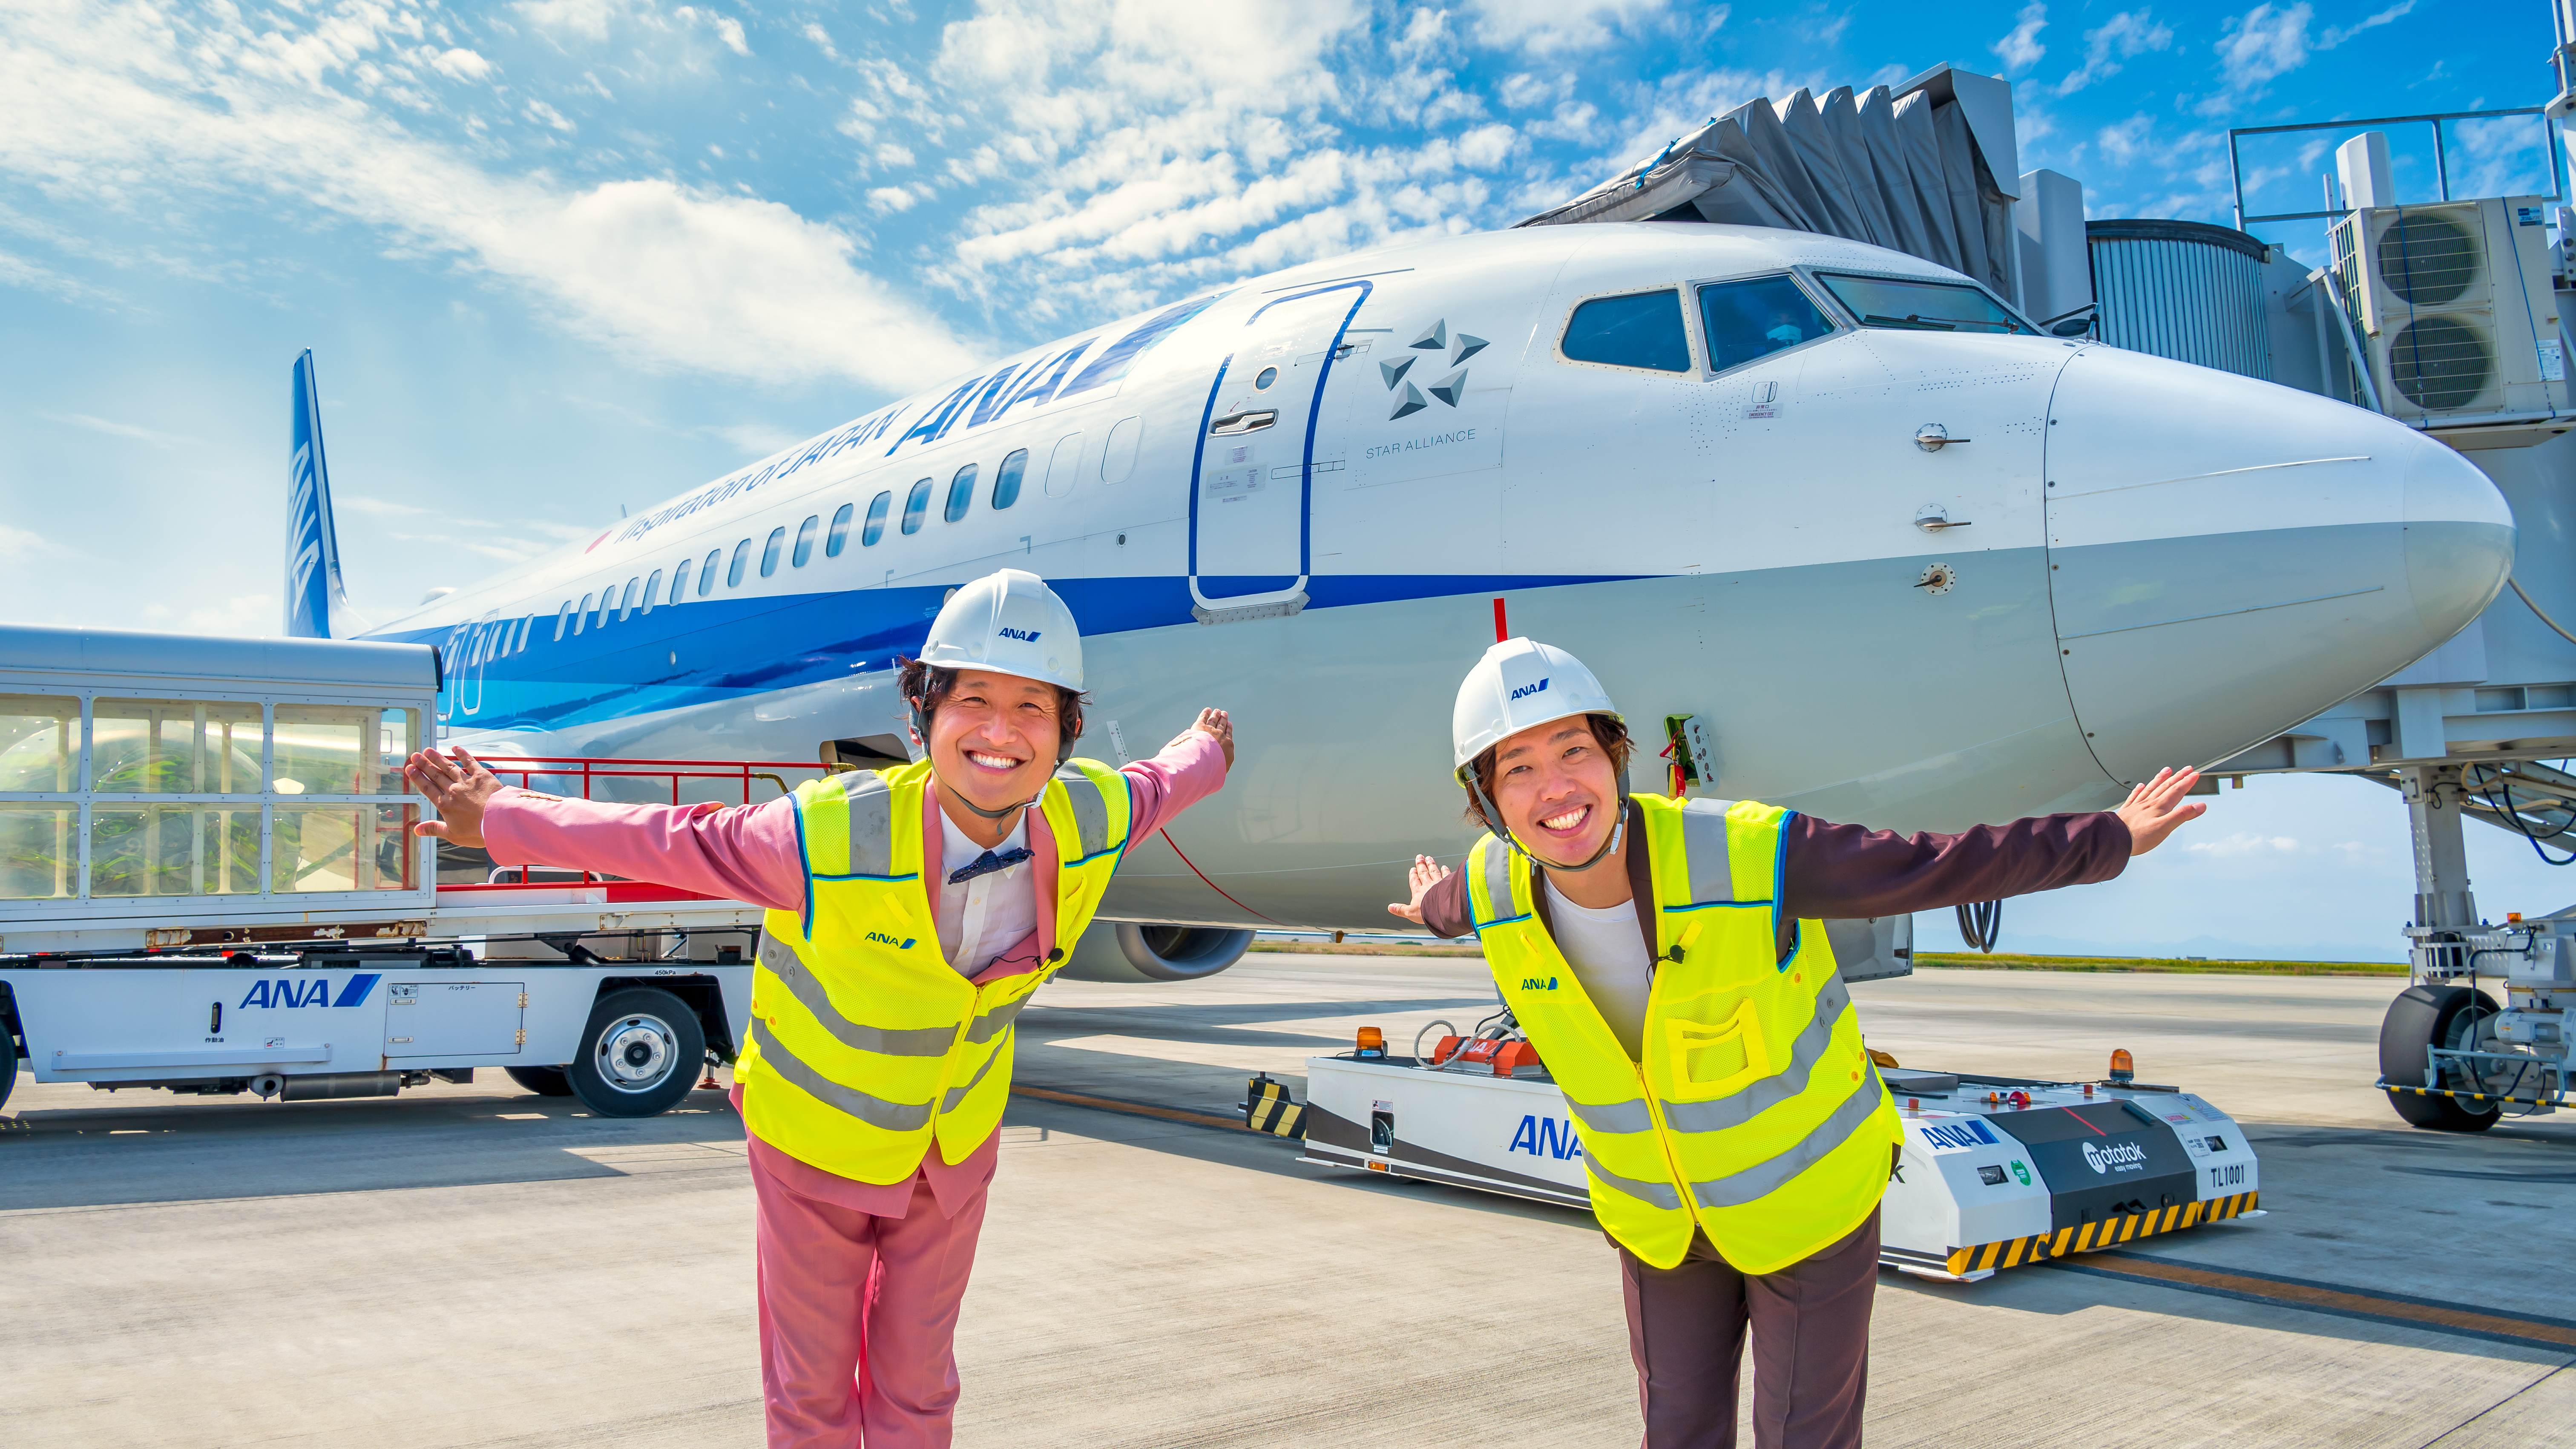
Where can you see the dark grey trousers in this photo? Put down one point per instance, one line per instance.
(1810, 1326)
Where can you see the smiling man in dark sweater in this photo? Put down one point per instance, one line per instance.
(1685, 1000)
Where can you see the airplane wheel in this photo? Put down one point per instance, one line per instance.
(639, 1054)
(544, 1081)
(2419, 1018)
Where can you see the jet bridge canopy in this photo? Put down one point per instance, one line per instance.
(1928, 168)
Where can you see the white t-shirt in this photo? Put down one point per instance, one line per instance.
(1608, 954)
(990, 914)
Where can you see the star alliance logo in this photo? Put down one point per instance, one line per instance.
(1436, 340)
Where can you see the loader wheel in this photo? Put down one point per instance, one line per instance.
(8, 1064)
(639, 1054)
(2419, 1019)
(544, 1081)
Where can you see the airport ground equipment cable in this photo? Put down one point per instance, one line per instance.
(2536, 609)
(2498, 795)
(1981, 923)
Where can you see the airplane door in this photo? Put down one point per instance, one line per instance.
(1262, 438)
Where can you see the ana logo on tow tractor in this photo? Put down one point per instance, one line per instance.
(1546, 1137)
(2118, 1157)
(309, 991)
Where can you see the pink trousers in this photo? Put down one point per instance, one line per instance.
(858, 1318)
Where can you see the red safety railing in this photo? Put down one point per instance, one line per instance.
(583, 778)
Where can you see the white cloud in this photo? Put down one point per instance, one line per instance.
(2263, 43)
(2126, 141)
(2241, 843)
(123, 430)
(461, 65)
(360, 503)
(1545, 27)
(586, 18)
(257, 616)
(727, 29)
(822, 40)
(547, 115)
(2020, 49)
(2125, 36)
(20, 546)
(1523, 90)
(890, 198)
(674, 277)
(2337, 35)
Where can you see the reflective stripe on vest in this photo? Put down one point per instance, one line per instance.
(991, 1023)
(1712, 878)
(873, 1110)
(919, 1041)
(1764, 1178)
(1661, 1194)
(1628, 1116)
(1832, 1000)
(871, 810)
(1090, 811)
(958, 1094)
(1498, 882)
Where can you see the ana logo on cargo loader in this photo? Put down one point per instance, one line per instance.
(309, 991)
(2118, 1157)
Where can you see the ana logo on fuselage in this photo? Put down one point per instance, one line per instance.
(289, 991)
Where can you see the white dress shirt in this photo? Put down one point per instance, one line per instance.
(990, 914)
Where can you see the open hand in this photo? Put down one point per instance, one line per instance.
(459, 788)
(1213, 724)
(1425, 874)
(2156, 809)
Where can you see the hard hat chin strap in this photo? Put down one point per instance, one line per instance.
(1493, 813)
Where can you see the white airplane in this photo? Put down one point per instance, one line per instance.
(1901, 558)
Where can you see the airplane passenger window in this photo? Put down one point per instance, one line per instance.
(769, 551)
(741, 556)
(1746, 320)
(1006, 479)
(961, 493)
(581, 616)
(563, 616)
(634, 588)
(875, 529)
(707, 572)
(840, 534)
(1642, 330)
(805, 532)
(680, 579)
(607, 603)
(1911, 306)
(915, 504)
(653, 591)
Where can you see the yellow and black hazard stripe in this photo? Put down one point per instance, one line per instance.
(1267, 1107)
(2562, 1100)
(2091, 1237)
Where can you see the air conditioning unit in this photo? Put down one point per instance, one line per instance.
(2456, 307)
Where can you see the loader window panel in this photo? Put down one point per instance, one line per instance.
(839, 537)
(1006, 479)
(40, 849)
(769, 551)
(961, 493)
(1747, 320)
(741, 556)
(707, 572)
(878, 507)
(343, 848)
(805, 532)
(680, 579)
(916, 504)
(1912, 306)
(1641, 330)
(335, 749)
(175, 747)
(40, 739)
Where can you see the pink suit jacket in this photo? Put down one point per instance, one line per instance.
(749, 853)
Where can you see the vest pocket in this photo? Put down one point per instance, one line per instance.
(1715, 1060)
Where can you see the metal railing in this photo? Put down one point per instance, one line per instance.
(2551, 143)
(725, 782)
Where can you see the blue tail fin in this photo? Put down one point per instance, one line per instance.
(315, 598)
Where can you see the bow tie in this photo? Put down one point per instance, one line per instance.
(987, 863)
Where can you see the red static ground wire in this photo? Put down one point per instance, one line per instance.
(1211, 885)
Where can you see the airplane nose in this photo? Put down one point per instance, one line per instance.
(2229, 557)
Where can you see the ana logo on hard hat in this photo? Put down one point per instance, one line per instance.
(1526, 690)
(1025, 636)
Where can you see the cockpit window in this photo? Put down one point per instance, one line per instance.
(1750, 319)
(1920, 306)
(1640, 330)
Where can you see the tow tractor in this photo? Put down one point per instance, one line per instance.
(208, 885)
(1996, 1172)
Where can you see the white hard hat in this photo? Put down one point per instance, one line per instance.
(1520, 683)
(1009, 622)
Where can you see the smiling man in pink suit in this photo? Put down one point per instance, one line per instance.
(874, 1078)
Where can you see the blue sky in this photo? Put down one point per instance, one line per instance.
(559, 256)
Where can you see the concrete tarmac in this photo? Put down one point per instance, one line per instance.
(476, 1266)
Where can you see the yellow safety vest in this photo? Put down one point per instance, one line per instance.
(1756, 1115)
(865, 1045)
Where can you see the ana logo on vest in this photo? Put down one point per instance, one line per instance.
(1025, 636)
(1526, 690)
(902, 945)
(1538, 983)
(2118, 1157)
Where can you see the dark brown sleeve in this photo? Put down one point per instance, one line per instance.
(1444, 906)
(1847, 871)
